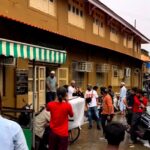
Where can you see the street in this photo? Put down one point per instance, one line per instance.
(90, 140)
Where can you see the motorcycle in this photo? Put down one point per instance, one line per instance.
(143, 130)
(24, 118)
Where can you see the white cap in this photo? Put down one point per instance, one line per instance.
(73, 81)
(52, 72)
(122, 83)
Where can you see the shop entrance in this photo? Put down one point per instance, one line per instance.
(40, 76)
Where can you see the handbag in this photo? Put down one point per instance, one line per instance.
(88, 100)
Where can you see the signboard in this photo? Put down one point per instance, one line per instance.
(21, 82)
(7, 60)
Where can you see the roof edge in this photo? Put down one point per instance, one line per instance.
(111, 13)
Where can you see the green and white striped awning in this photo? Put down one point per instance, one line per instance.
(31, 52)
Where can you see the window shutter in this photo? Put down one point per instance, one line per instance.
(62, 76)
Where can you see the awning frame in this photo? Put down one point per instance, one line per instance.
(32, 52)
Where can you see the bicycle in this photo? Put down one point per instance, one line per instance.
(73, 134)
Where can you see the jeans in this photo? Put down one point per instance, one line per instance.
(129, 116)
(93, 114)
(50, 96)
(134, 125)
(104, 120)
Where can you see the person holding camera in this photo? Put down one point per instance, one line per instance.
(91, 98)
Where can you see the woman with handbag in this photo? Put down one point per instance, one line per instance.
(91, 98)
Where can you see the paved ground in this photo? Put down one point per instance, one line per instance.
(90, 140)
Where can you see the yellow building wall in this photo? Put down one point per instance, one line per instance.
(10, 99)
(19, 10)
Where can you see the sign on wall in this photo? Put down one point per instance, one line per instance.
(21, 82)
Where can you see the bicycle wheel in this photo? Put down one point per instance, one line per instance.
(74, 135)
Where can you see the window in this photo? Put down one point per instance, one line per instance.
(137, 47)
(127, 76)
(69, 7)
(75, 13)
(115, 76)
(114, 34)
(46, 6)
(73, 9)
(130, 41)
(136, 78)
(98, 23)
(125, 40)
(81, 13)
(78, 76)
(98, 27)
(101, 79)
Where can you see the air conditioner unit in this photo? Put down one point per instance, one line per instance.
(83, 66)
(127, 72)
(102, 68)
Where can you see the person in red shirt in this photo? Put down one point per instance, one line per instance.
(139, 106)
(60, 109)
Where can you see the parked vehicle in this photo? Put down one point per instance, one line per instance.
(24, 118)
(143, 131)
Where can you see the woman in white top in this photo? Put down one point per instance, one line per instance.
(92, 106)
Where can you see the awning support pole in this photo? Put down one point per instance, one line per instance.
(33, 102)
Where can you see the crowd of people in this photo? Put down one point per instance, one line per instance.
(53, 119)
(101, 107)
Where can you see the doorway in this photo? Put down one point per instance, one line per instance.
(40, 76)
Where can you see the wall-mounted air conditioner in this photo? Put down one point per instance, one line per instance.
(102, 68)
(83, 66)
(127, 72)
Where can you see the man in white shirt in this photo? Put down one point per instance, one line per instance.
(11, 135)
(123, 92)
(71, 89)
(92, 106)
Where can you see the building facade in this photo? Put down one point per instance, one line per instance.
(102, 48)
